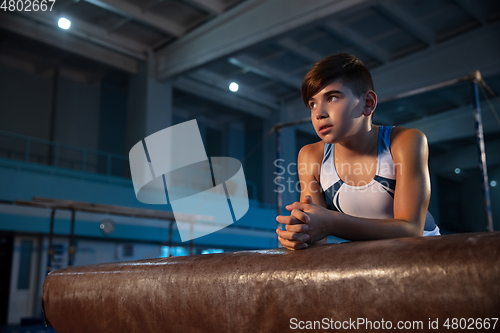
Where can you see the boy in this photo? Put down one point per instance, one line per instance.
(374, 178)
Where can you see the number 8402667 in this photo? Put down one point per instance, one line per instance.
(27, 5)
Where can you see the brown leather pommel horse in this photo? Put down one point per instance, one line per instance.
(397, 280)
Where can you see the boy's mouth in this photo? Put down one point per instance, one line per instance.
(325, 128)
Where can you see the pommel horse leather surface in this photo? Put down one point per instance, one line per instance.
(453, 276)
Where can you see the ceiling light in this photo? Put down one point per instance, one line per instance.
(234, 87)
(64, 23)
(493, 183)
(457, 171)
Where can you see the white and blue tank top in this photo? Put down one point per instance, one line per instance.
(373, 200)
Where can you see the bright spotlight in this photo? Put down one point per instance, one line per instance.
(64, 23)
(234, 87)
(493, 183)
(457, 170)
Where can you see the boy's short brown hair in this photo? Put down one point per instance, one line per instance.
(346, 68)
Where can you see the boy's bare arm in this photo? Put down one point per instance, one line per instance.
(413, 185)
(308, 165)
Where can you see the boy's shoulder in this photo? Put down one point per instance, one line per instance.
(407, 140)
(403, 136)
(312, 152)
(407, 130)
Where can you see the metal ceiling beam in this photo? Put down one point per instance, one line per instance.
(474, 8)
(407, 21)
(250, 64)
(218, 96)
(237, 29)
(212, 6)
(93, 34)
(135, 12)
(302, 51)
(118, 25)
(351, 37)
(63, 40)
(458, 57)
(148, 4)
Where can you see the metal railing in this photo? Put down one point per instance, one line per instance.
(35, 150)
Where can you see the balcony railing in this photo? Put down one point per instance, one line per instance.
(35, 150)
(40, 151)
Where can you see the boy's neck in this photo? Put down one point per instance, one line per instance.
(362, 143)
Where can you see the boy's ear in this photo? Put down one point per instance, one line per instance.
(370, 102)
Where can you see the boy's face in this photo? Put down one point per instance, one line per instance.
(336, 112)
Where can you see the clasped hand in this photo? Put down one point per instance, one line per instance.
(305, 225)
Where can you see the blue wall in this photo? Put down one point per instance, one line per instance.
(22, 181)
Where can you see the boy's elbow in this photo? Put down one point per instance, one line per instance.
(415, 229)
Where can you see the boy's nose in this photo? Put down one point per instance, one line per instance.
(320, 112)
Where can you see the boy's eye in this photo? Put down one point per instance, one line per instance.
(332, 98)
(312, 105)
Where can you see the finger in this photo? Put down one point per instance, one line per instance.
(286, 247)
(291, 206)
(297, 205)
(292, 245)
(301, 216)
(300, 228)
(293, 236)
(307, 199)
(288, 220)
